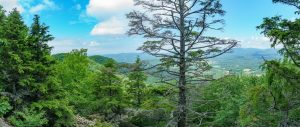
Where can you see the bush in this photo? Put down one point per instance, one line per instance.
(4, 106)
(103, 124)
(142, 118)
(59, 113)
(28, 117)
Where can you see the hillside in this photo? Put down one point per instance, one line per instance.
(130, 57)
(97, 58)
(244, 58)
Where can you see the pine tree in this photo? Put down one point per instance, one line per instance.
(27, 74)
(41, 59)
(136, 83)
(109, 90)
(15, 57)
(46, 93)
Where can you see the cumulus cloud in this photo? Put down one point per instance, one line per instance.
(103, 8)
(112, 26)
(11, 4)
(45, 4)
(106, 12)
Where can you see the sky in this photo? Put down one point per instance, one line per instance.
(100, 25)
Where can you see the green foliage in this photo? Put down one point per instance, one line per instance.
(28, 117)
(28, 77)
(103, 124)
(158, 97)
(283, 76)
(73, 68)
(5, 107)
(270, 100)
(99, 59)
(223, 99)
(149, 118)
(96, 58)
(256, 109)
(136, 84)
(58, 112)
(15, 58)
(272, 103)
(76, 78)
(109, 90)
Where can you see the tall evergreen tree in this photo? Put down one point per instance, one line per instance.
(27, 74)
(41, 59)
(15, 57)
(109, 90)
(137, 84)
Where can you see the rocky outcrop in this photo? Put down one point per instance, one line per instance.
(83, 122)
(3, 123)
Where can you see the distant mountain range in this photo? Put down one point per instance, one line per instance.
(244, 58)
(244, 53)
(130, 57)
(237, 60)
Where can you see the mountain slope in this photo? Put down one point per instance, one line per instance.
(96, 58)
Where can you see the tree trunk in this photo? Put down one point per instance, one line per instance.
(14, 92)
(182, 70)
(285, 122)
(182, 102)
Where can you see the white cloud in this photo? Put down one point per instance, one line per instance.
(91, 44)
(8, 5)
(67, 45)
(64, 45)
(45, 4)
(107, 11)
(102, 8)
(259, 42)
(96, 47)
(112, 26)
(37, 8)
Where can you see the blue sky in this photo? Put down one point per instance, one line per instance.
(99, 25)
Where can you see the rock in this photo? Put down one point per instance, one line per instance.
(83, 122)
(3, 123)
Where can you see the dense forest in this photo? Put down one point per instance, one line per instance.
(40, 89)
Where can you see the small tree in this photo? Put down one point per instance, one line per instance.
(136, 83)
(175, 30)
(109, 90)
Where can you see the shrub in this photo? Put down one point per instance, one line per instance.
(28, 117)
(4, 106)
